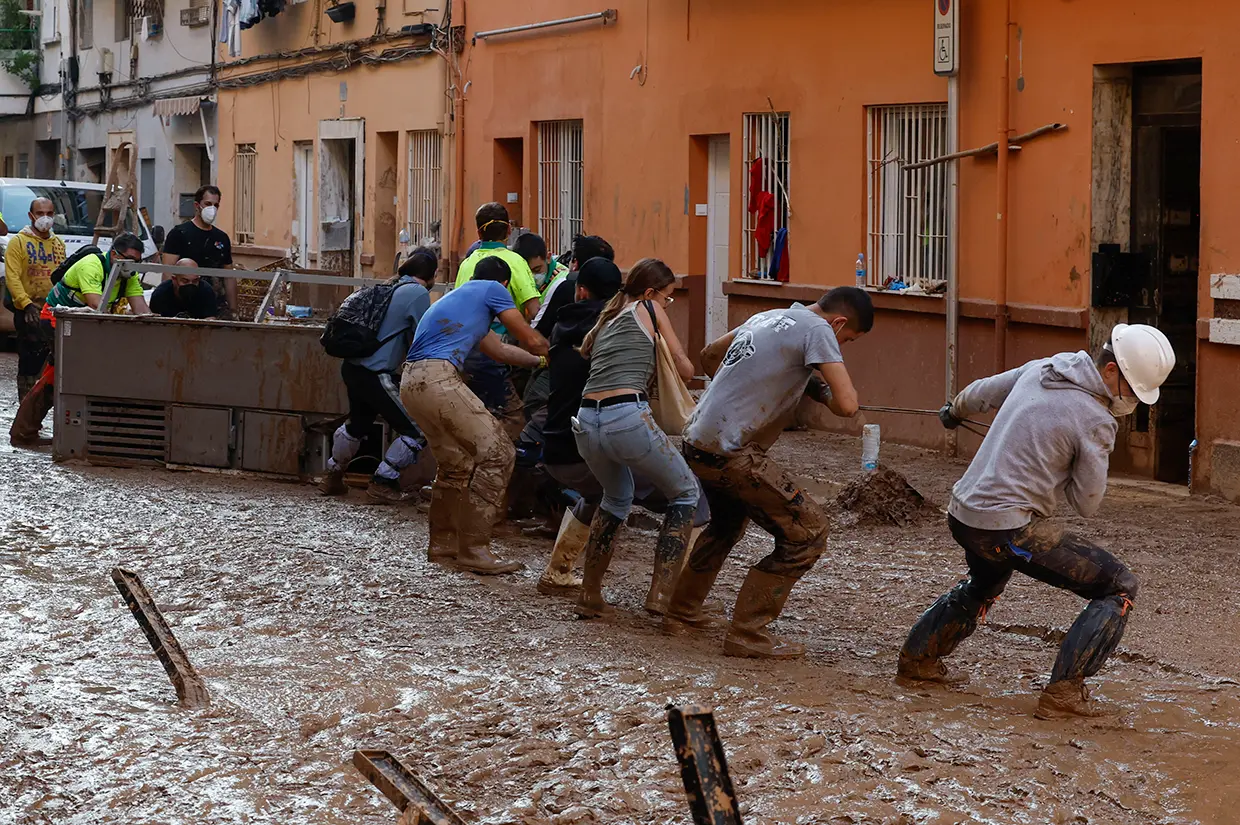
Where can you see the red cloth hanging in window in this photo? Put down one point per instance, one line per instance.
(765, 226)
(756, 174)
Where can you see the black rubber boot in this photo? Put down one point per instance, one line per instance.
(591, 604)
(670, 552)
(1092, 638)
(947, 623)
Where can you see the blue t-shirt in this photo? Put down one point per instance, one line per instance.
(409, 303)
(454, 324)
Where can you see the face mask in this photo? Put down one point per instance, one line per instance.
(1121, 406)
(838, 326)
(43, 223)
(208, 215)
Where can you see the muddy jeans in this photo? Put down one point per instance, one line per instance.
(622, 439)
(578, 477)
(1043, 551)
(474, 455)
(747, 486)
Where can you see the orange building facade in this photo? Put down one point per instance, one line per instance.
(745, 143)
(1121, 212)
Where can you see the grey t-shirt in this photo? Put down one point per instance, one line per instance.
(409, 303)
(761, 380)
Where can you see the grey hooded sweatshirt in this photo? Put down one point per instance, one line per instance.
(1054, 432)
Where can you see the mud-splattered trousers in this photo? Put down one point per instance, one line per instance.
(1043, 551)
(38, 401)
(474, 455)
(749, 485)
(620, 439)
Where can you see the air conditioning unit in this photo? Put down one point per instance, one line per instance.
(196, 17)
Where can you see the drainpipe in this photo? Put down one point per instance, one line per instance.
(953, 248)
(458, 143)
(1001, 206)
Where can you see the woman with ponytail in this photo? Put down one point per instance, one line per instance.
(617, 435)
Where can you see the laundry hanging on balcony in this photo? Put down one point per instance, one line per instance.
(230, 27)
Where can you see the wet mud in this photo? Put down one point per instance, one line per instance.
(320, 628)
(882, 497)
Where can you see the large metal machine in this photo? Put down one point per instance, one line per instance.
(258, 397)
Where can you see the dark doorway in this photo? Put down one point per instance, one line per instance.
(1166, 229)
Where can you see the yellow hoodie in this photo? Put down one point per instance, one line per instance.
(28, 264)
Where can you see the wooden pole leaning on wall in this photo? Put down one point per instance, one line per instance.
(191, 690)
(989, 148)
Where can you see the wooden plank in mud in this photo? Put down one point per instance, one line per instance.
(404, 789)
(703, 766)
(191, 690)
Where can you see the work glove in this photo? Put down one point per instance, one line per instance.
(948, 418)
(32, 314)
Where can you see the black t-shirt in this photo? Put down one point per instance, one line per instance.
(209, 248)
(196, 302)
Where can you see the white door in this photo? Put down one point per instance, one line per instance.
(717, 252)
(303, 181)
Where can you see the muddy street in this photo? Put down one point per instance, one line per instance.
(320, 628)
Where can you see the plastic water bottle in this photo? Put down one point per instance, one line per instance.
(1192, 450)
(861, 271)
(870, 437)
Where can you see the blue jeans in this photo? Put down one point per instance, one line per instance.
(618, 440)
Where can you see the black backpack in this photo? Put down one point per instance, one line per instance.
(59, 272)
(353, 329)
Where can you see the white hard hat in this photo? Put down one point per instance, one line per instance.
(1145, 358)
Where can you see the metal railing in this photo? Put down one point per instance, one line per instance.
(425, 168)
(766, 149)
(277, 279)
(560, 183)
(906, 210)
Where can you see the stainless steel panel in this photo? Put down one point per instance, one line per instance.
(199, 435)
(271, 442)
(207, 363)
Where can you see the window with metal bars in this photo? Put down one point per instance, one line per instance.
(906, 221)
(425, 168)
(765, 191)
(246, 167)
(560, 183)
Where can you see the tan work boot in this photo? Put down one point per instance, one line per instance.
(1065, 699)
(24, 431)
(333, 484)
(439, 523)
(759, 603)
(558, 578)
(685, 610)
(388, 491)
(910, 670)
(671, 550)
(473, 527)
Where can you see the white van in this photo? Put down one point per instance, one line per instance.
(77, 212)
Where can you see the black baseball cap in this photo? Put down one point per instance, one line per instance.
(602, 277)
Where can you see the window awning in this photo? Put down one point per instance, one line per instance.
(177, 106)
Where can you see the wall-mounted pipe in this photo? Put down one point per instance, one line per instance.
(1001, 196)
(607, 16)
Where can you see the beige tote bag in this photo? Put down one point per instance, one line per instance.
(670, 401)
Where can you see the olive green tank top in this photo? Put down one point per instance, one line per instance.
(623, 355)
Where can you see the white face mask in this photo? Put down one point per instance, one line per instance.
(1121, 406)
(208, 215)
(43, 223)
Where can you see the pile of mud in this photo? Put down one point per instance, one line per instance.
(882, 497)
